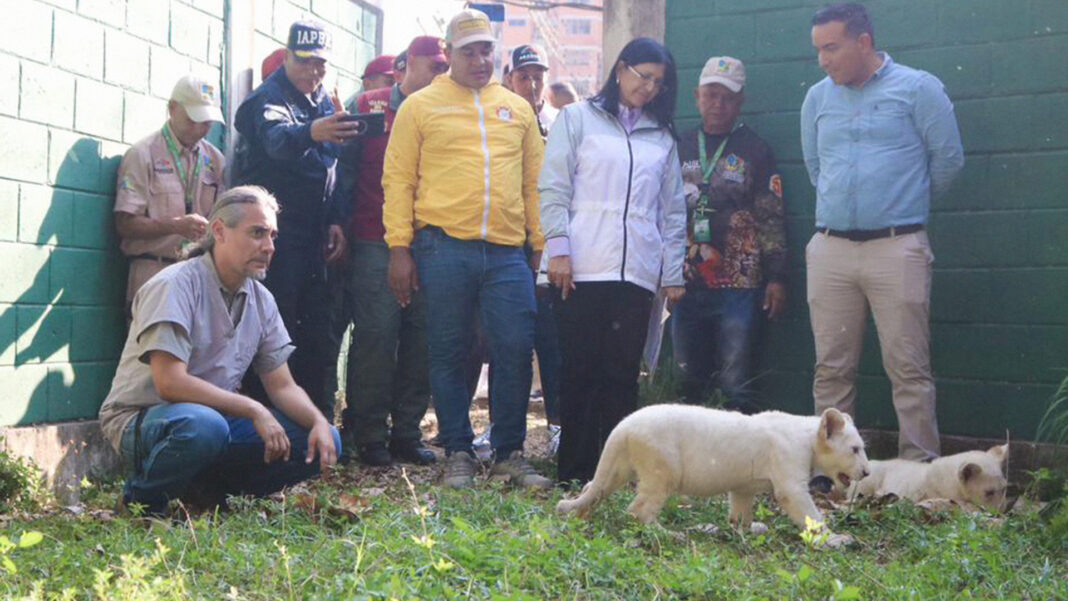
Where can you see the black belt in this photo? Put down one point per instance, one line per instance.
(151, 257)
(865, 235)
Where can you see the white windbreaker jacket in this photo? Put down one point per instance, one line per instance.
(617, 197)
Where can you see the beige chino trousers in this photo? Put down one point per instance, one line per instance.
(893, 277)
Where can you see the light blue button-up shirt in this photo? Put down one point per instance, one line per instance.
(878, 154)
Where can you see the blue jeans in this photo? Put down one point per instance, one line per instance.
(713, 333)
(184, 444)
(547, 346)
(461, 278)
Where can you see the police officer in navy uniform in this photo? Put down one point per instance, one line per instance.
(291, 136)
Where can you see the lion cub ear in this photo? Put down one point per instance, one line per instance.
(1001, 454)
(832, 422)
(968, 471)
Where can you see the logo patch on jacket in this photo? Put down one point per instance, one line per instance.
(733, 169)
(162, 166)
(504, 114)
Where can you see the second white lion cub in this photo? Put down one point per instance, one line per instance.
(683, 449)
(976, 477)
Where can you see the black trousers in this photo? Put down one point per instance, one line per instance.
(297, 279)
(602, 327)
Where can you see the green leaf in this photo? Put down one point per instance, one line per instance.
(786, 576)
(847, 592)
(30, 539)
(8, 564)
(804, 573)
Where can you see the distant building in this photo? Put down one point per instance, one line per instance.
(570, 36)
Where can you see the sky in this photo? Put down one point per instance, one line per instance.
(404, 19)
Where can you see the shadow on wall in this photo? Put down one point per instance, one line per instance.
(67, 326)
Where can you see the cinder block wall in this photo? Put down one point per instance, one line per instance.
(82, 80)
(1000, 238)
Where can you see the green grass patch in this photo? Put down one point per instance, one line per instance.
(368, 535)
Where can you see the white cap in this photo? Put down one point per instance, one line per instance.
(468, 27)
(724, 70)
(199, 99)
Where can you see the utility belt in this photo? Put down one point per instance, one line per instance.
(866, 235)
(152, 257)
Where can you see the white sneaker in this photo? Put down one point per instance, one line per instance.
(554, 439)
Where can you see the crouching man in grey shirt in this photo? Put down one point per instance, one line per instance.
(174, 413)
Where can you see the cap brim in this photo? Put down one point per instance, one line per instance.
(439, 58)
(471, 39)
(323, 54)
(727, 83)
(531, 64)
(202, 112)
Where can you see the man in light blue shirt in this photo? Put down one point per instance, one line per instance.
(880, 140)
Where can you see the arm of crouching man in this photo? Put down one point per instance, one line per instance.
(400, 179)
(290, 399)
(555, 189)
(672, 227)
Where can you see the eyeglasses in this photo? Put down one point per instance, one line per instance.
(658, 84)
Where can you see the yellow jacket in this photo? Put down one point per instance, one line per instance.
(466, 161)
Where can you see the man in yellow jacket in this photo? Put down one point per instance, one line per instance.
(461, 200)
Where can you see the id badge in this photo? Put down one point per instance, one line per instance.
(702, 231)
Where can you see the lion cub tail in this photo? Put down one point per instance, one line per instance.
(613, 471)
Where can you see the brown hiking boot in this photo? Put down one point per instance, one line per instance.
(520, 473)
(459, 470)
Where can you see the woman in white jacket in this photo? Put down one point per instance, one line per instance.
(614, 218)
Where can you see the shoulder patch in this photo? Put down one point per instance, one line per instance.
(504, 114)
(775, 185)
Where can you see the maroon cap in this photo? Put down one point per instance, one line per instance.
(381, 65)
(272, 62)
(428, 45)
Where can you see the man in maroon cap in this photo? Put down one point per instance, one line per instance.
(387, 369)
(273, 61)
(378, 73)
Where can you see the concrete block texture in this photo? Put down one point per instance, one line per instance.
(98, 109)
(46, 95)
(9, 210)
(32, 38)
(112, 12)
(79, 44)
(126, 60)
(65, 453)
(30, 162)
(189, 31)
(149, 19)
(9, 95)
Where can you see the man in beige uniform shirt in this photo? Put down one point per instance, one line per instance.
(168, 182)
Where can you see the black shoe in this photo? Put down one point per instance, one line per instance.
(412, 452)
(375, 455)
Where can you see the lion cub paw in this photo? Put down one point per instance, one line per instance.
(839, 541)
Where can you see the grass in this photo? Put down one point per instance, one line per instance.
(370, 535)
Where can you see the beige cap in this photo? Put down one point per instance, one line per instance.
(199, 99)
(724, 70)
(468, 27)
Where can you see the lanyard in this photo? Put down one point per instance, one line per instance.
(706, 165)
(188, 183)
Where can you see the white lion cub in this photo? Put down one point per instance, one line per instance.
(976, 477)
(683, 449)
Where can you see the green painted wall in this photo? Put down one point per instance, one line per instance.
(1000, 298)
(84, 79)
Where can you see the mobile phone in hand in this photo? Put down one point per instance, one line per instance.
(370, 124)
